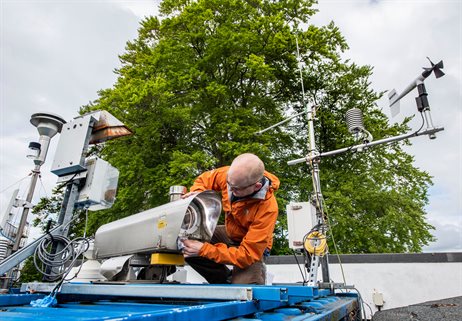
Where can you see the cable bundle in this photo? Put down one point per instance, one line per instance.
(55, 264)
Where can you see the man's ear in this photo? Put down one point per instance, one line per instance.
(258, 185)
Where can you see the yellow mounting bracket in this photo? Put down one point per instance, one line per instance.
(167, 259)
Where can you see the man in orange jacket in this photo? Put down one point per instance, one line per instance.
(251, 211)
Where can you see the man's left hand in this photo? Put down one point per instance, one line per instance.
(192, 248)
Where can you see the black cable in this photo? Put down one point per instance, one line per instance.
(362, 304)
(413, 133)
(308, 260)
(298, 264)
(66, 182)
(421, 126)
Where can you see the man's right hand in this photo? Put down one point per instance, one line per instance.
(191, 248)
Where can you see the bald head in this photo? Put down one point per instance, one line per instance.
(245, 169)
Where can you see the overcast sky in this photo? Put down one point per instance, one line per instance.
(56, 55)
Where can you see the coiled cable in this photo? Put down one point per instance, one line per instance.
(55, 264)
(315, 243)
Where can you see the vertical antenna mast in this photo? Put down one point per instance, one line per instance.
(314, 158)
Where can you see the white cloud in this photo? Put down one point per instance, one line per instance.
(449, 237)
(142, 9)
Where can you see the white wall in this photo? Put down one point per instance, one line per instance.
(401, 284)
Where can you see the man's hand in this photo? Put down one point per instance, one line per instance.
(192, 248)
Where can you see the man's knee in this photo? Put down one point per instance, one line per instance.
(254, 274)
(214, 273)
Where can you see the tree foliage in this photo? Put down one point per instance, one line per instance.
(49, 208)
(28, 273)
(196, 86)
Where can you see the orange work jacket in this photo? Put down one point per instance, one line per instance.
(249, 221)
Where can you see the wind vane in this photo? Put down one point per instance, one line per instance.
(394, 98)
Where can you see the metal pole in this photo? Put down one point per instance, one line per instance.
(65, 217)
(360, 147)
(68, 206)
(25, 211)
(22, 222)
(317, 200)
(317, 195)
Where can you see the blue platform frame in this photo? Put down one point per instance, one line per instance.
(292, 302)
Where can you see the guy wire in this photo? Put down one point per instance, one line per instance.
(335, 246)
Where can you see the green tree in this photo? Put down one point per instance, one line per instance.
(196, 86)
(48, 209)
